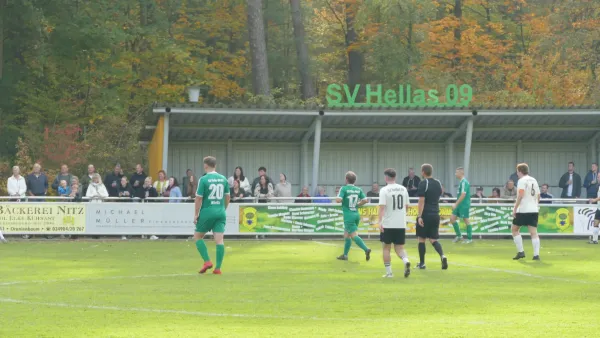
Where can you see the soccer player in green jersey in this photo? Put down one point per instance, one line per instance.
(462, 207)
(351, 198)
(212, 198)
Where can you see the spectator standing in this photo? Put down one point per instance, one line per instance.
(96, 190)
(191, 188)
(63, 189)
(590, 183)
(16, 185)
(411, 183)
(126, 192)
(264, 190)
(137, 181)
(478, 196)
(337, 190)
(262, 171)
(570, 183)
(238, 174)
(87, 179)
(113, 180)
(283, 189)
(75, 195)
(237, 194)
(37, 182)
(373, 194)
(510, 192)
(162, 184)
(75, 180)
(514, 177)
(304, 194)
(321, 193)
(174, 191)
(149, 190)
(185, 182)
(64, 175)
(545, 196)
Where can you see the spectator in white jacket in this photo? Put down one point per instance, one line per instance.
(96, 190)
(238, 174)
(16, 185)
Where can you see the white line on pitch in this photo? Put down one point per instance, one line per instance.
(513, 272)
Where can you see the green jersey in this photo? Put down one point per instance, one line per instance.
(465, 187)
(213, 188)
(350, 196)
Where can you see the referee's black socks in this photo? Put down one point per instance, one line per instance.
(422, 253)
(438, 248)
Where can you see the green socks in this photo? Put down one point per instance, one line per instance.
(360, 243)
(203, 250)
(457, 229)
(469, 232)
(220, 255)
(347, 245)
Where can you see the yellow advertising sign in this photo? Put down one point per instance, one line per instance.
(45, 218)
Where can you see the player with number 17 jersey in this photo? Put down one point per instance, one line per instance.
(213, 188)
(350, 196)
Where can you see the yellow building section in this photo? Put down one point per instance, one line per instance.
(155, 150)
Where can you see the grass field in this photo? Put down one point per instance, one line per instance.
(295, 288)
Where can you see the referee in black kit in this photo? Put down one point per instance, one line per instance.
(428, 220)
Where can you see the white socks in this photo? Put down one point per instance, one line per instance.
(388, 267)
(404, 257)
(519, 242)
(2, 237)
(594, 236)
(536, 246)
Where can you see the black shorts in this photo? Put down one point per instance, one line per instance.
(597, 218)
(396, 236)
(430, 228)
(526, 219)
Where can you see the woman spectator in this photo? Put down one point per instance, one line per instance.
(174, 191)
(238, 174)
(237, 193)
(283, 189)
(125, 190)
(162, 184)
(496, 195)
(192, 185)
(149, 190)
(264, 190)
(75, 195)
(96, 190)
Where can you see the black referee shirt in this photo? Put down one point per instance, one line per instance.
(431, 189)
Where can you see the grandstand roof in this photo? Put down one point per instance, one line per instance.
(193, 122)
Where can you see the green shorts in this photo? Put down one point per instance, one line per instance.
(207, 224)
(461, 212)
(351, 224)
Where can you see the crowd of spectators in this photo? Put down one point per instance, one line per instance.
(140, 186)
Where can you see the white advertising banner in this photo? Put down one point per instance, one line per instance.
(148, 219)
(584, 219)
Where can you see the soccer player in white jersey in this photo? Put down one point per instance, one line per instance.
(393, 202)
(526, 211)
(596, 229)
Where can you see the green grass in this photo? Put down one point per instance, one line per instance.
(295, 288)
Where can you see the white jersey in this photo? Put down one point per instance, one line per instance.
(395, 198)
(529, 202)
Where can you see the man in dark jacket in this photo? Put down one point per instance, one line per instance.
(590, 183)
(112, 181)
(137, 181)
(411, 183)
(37, 182)
(262, 171)
(570, 183)
(63, 175)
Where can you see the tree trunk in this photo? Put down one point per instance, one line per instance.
(308, 90)
(457, 30)
(258, 48)
(355, 57)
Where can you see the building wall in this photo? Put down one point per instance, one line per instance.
(491, 164)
